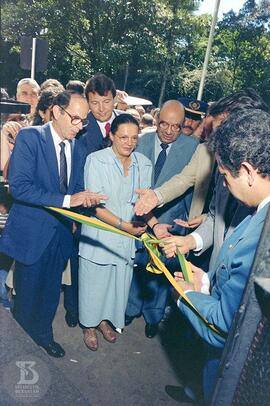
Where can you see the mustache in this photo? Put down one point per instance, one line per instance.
(187, 126)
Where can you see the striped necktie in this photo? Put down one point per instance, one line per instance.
(63, 169)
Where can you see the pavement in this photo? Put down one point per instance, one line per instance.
(133, 371)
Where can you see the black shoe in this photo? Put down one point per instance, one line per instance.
(54, 350)
(71, 319)
(151, 330)
(178, 393)
(128, 320)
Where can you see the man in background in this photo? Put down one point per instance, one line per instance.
(28, 92)
(195, 110)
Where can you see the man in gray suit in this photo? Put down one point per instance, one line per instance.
(169, 151)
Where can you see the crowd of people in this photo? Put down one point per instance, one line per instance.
(196, 175)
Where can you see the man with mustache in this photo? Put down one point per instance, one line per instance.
(195, 110)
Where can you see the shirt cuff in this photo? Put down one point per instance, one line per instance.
(160, 198)
(205, 284)
(186, 291)
(66, 202)
(199, 241)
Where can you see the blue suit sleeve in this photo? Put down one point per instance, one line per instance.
(219, 308)
(23, 175)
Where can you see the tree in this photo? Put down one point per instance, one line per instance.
(153, 48)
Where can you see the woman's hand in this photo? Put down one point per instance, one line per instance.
(134, 227)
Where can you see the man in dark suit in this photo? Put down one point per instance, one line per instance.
(42, 173)
(100, 92)
(169, 152)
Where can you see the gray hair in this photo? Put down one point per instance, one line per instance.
(27, 81)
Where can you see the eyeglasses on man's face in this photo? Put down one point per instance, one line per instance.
(164, 125)
(76, 120)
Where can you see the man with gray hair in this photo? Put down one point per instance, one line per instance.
(27, 92)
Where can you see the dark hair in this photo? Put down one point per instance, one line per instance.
(76, 86)
(100, 84)
(243, 136)
(63, 98)
(244, 99)
(45, 101)
(123, 119)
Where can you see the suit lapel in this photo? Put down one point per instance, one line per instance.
(223, 196)
(249, 225)
(146, 146)
(168, 169)
(74, 158)
(95, 129)
(50, 155)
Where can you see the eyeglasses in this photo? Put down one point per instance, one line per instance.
(174, 127)
(75, 120)
(124, 139)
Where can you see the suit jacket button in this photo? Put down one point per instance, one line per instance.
(230, 246)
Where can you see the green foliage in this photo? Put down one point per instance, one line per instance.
(156, 47)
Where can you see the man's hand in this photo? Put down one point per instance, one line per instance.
(183, 244)
(194, 223)
(162, 230)
(197, 274)
(86, 199)
(134, 227)
(121, 95)
(147, 201)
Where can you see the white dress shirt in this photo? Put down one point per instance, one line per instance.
(68, 146)
(158, 148)
(103, 124)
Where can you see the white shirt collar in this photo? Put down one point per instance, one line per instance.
(68, 151)
(263, 203)
(103, 123)
(56, 138)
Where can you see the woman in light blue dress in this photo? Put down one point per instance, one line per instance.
(106, 259)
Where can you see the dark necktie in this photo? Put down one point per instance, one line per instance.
(160, 161)
(63, 169)
(107, 129)
(231, 207)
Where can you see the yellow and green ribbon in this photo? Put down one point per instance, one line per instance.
(155, 265)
